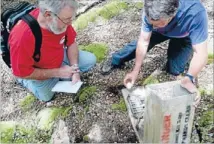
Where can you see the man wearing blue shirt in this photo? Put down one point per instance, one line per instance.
(185, 24)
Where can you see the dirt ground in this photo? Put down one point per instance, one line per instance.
(115, 125)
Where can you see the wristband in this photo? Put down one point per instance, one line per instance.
(190, 77)
(74, 65)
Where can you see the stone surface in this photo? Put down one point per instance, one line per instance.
(95, 134)
(60, 135)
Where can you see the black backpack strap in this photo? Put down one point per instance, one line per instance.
(36, 30)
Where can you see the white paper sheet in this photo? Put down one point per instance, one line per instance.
(67, 87)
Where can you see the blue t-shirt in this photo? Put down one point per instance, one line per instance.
(190, 20)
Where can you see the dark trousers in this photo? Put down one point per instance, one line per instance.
(179, 52)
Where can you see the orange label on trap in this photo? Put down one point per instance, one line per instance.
(166, 129)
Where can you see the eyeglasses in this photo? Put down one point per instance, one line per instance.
(67, 22)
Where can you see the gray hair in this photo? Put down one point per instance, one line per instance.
(56, 6)
(160, 9)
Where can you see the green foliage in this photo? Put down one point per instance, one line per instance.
(206, 119)
(98, 49)
(121, 106)
(204, 92)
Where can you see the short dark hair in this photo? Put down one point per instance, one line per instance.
(158, 9)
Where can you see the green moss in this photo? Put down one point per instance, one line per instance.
(206, 119)
(86, 93)
(7, 136)
(121, 106)
(7, 131)
(66, 111)
(27, 102)
(112, 9)
(98, 49)
(86, 138)
(150, 80)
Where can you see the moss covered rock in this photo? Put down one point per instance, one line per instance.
(84, 19)
(121, 106)
(150, 80)
(112, 9)
(47, 116)
(98, 49)
(107, 11)
(12, 132)
(86, 93)
(7, 131)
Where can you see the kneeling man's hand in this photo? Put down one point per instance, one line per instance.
(130, 78)
(187, 84)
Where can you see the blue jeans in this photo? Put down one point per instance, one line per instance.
(42, 88)
(179, 52)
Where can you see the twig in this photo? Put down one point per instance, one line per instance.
(89, 7)
(18, 88)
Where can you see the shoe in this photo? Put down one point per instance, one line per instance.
(107, 66)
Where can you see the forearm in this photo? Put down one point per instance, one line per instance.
(43, 74)
(142, 46)
(197, 63)
(73, 54)
(140, 55)
(199, 59)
